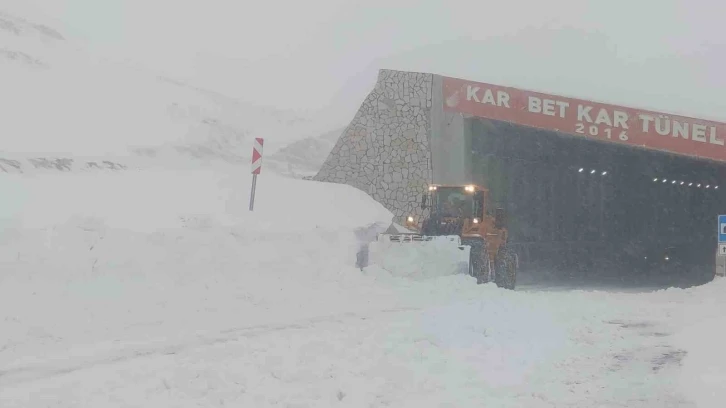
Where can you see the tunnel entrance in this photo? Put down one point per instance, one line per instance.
(583, 212)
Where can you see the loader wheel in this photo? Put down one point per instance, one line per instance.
(506, 270)
(478, 260)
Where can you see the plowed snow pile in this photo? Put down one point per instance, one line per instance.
(87, 257)
(93, 263)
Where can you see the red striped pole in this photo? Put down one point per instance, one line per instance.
(256, 167)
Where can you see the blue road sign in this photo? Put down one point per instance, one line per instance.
(721, 228)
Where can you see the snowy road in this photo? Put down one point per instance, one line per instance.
(505, 349)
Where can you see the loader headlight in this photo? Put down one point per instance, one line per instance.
(432, 188)
(409, 219)
(475, 220)
(469, 189)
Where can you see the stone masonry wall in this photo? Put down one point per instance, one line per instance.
(385, 149)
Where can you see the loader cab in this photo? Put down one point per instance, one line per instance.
(458, 202)
(462, 202)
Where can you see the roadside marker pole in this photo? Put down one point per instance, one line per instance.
(256, 167)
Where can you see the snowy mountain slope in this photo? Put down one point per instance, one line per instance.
(60, 101)
(303, 158)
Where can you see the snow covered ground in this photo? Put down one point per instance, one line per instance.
(159, 288)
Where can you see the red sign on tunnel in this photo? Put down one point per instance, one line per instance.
(618, 124)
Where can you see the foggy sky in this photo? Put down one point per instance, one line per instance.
(310, 55)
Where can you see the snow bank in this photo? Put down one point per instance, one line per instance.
(138, 254)
(145, 201)
(97, 266)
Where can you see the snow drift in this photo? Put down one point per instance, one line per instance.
(75, 250)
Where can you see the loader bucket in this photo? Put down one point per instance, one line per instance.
(419, 256)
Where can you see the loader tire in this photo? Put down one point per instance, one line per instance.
(478, 260)
(506, 269)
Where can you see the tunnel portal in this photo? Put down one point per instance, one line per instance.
(581, 210)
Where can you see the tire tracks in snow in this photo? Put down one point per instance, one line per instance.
(69, 364)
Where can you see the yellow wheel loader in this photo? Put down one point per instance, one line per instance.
(458, 236)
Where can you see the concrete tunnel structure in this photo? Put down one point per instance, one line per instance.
(582, 182)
